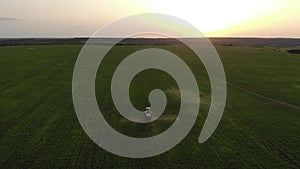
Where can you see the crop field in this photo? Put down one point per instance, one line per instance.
(260, 127)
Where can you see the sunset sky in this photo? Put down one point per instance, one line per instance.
(78, 18)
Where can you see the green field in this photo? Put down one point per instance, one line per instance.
(260, 127)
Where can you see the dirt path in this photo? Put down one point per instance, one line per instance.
(263, 96)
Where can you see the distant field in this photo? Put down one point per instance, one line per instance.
(226, 41)
(260, 127)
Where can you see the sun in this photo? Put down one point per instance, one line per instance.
(214, 15)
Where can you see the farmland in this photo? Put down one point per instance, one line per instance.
(259, 129)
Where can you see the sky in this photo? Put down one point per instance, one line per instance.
(214, 18)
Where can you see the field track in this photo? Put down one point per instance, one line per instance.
(263, 96)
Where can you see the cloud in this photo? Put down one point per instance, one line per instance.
(9, 19)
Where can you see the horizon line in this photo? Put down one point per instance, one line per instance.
(86, 37)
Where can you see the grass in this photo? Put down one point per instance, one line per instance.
(39, 128)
